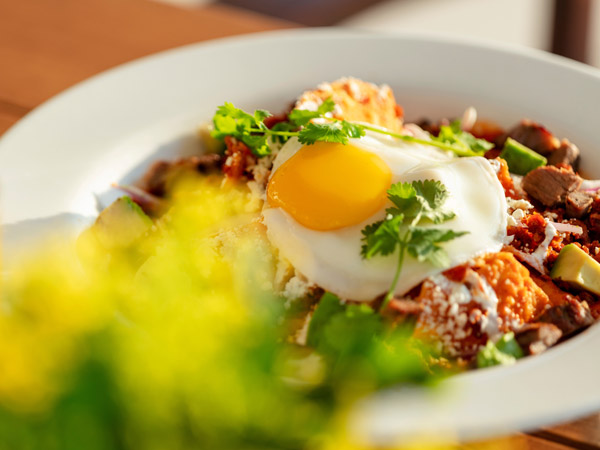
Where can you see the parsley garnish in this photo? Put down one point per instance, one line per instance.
(415, 203)
(252, 131)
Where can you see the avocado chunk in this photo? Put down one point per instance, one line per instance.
(521, 159)
(576, 267)
(121, 224)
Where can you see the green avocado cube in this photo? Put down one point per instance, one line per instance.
(521, 159)
(576, 267)
(121, 224)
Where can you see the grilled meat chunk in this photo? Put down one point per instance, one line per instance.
(550, 185)
(534, 136)
(570, 317)
(535, 338)
(578, 204)
(567, 153)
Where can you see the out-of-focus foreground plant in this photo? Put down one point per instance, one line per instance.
(177, 342)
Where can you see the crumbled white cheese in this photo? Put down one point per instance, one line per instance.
(514, 204)
(296, 287)
(517, 210)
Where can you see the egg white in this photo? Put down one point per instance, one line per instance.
(332, 260)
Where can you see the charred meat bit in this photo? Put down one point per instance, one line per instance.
(532, 135)
(567, 153)
(535, 338)
(578, 204)
(570, 317)
(550, 185)
(237, 158)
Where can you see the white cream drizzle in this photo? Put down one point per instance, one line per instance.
(537, 258)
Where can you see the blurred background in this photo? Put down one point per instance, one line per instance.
(566, 27)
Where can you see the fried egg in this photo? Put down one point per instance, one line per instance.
(320, 197)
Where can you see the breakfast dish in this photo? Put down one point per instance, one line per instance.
(483, 240)
(59, 164)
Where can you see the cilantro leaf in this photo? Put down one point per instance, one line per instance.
(404, 197)
(326, 132)
(353, 339)
(329, 305)
(423, 199)
(432, 194)
(381, 237)
(232, 121)
(454, 135)
(424, 245)
(352, 130)
(414, 202)
(301, 117)
(257, 143)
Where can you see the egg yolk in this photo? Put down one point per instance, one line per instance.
(327, 186)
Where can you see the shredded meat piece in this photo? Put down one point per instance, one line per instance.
(570, 317)
(535, 338)
(550, 185)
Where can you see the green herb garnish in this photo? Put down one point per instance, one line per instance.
(252, 131)
(504, 352)
(354, 339)
(453, 135)
(415, 203)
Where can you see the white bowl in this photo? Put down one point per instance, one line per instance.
(57, 164)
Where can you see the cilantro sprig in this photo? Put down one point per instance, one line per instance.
(415, 204)
(252, 131)
(453, 134)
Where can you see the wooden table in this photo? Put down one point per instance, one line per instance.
(48, 45)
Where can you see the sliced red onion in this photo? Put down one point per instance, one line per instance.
(567, 228)
(590, 185)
